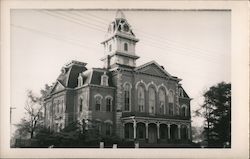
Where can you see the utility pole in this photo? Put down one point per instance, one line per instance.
(11, 114)
(11, 141)
(11, 108)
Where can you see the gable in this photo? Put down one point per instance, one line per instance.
(153, 69)
(57, 87)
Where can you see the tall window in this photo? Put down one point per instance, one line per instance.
(98, 127)
(80, 104)
(151, 101)
(80, 80)
(141, 99)
(47, 111)
(62, 106)
(108, 129)
(171, 103)
(58, 106)
(98, 103)
(162, 101)
(108, 104)
(110, 48)
(104, 80)
(181, 92)
(183, 110)
(125, 46)
(127, 97)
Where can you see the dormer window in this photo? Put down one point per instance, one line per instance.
(181, 92)
(125, 46)
(104, 80)
(80, 81)
(125, 27)
(110, 48)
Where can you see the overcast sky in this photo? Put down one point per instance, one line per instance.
(192, 45)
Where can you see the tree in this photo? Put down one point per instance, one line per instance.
(216, 111)
(30, 123)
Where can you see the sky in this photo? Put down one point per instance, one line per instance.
(192, 45)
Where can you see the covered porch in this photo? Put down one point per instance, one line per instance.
(156, 130)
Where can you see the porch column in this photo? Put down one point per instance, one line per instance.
(188, 129)
(134, 124)
(179, 131)
(158, 130)
(146, 124)
(169, 131)
(122, 132)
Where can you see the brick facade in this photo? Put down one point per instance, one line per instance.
(98, 96)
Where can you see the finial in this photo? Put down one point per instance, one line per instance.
(120, 14)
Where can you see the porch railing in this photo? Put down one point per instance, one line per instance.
(156, 115)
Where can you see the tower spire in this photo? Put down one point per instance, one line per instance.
(119, 43)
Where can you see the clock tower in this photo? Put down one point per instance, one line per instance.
(119, 43)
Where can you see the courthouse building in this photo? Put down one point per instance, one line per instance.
(143, 103)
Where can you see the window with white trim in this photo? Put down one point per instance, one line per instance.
(99, 127)
(184, 110)
(62, 106)
(152, 100)
(127, 97)
(171, 103)
(125, 46)
(110, 48)
(181, 92)
(104, 80)
(80, 104)
(108, 128)
(58, 106)
(80, 80)
(108, 104)
(98, 100)
(141, 99)
(162, 101)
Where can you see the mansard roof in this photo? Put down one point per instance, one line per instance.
(185, 95)
(69, 73)
(154, 68)
(93, 76)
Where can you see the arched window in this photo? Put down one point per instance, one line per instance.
(127, 97)
(171, 103)
(80, 81)
(183, 110)
(125, 46)
(181, 92)
(162, 101)
(108, 128)
(104, 79)
(80, 104)
(62, 106)
(58, 106)
(98, 103)
(110, 48)
(151, 100)
(99, 127)
(108, 104)
(141, 99)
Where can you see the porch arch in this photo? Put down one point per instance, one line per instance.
(184, 132)
(173, 132)
(128, 131)
(163, 131)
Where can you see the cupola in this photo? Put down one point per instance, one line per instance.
(119, 43)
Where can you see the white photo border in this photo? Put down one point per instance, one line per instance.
(239, 78)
